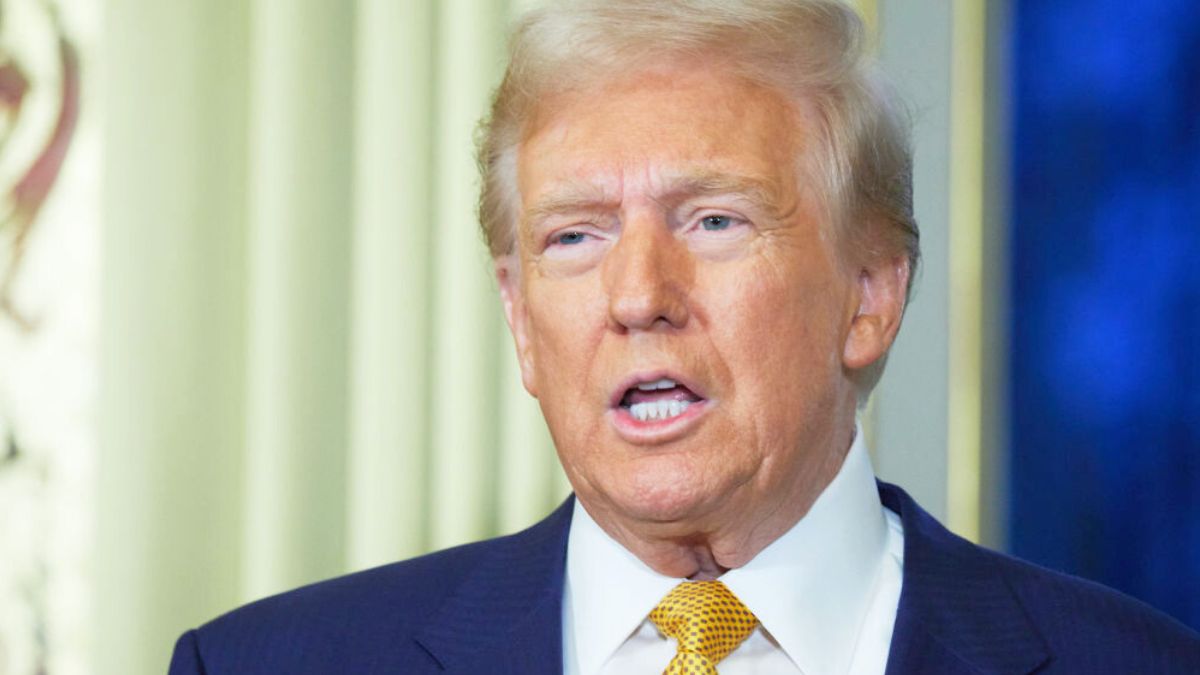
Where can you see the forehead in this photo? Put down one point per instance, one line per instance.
(660, 130)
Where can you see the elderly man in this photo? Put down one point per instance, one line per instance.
(700, 216)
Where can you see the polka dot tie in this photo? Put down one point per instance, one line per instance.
(708, 621)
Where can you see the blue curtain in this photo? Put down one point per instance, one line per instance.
(1105, 294)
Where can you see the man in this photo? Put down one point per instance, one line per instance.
(700, 215)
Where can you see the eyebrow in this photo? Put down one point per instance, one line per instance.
(570, 197)
(709, 183)
(576, 196)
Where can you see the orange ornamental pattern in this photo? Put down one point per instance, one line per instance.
(46, 354)
(21, 201)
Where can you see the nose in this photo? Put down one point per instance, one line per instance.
(647, 275)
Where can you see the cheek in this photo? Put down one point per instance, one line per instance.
(778, 334)
(566, 322)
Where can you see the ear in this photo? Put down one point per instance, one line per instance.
(508, 276)
(882, 291)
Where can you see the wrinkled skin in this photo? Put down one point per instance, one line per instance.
(668, 227)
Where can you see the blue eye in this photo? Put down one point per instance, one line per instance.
(716, 223)
(570, 238)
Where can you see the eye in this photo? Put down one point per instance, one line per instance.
(716, 223)
(568, 238)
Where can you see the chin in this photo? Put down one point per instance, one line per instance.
(655, 495)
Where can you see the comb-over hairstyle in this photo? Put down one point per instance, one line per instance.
(808, 50)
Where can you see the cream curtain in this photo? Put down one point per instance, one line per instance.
(304, 369)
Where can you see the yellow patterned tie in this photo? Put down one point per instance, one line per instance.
(708, 621)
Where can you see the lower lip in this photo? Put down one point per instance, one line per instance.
(651, 432)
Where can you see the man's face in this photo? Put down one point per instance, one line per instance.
(680, 308)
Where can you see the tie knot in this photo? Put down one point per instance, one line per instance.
(706, 618)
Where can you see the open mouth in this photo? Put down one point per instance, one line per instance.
(658, 400)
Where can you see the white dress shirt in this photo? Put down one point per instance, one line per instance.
(825, 592)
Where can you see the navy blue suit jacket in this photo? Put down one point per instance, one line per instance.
(496, 607)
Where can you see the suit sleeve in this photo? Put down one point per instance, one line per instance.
(186, 660)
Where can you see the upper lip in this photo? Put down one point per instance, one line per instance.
(650, 376)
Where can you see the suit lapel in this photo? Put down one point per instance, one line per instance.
(506, 617)
(957, 612)
(915, 650)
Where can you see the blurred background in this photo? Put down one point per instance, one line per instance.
(248, 336)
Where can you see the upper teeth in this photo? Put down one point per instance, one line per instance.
(657, 410)
(657, 384)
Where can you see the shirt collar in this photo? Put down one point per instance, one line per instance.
(609, 591)
(810, 588)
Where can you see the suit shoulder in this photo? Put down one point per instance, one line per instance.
(407, 586)
(369, 621)
(1083, 619)
(998, 610)
(340, 620)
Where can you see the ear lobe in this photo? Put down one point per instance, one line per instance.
(883, 290)
(508, 277)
